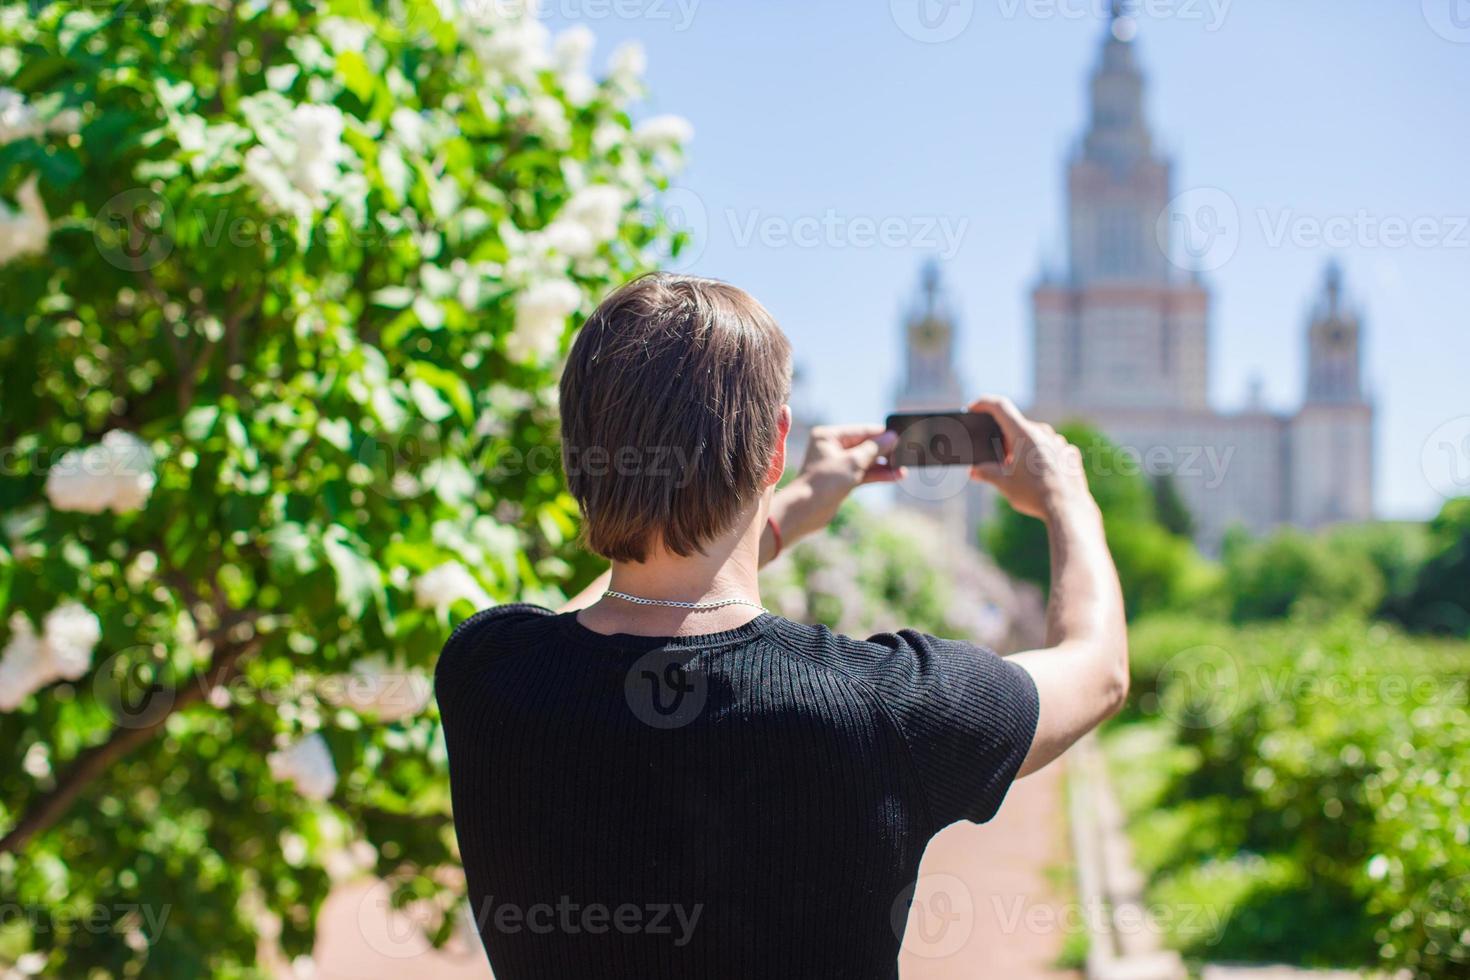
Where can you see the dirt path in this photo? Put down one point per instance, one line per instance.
(984, 908)
(985, 905)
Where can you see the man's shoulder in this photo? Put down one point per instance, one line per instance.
(492, 630)
(870, 658)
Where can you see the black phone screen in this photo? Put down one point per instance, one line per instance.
(945, 439)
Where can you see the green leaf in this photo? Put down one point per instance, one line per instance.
(429, 312)
(199, 422)
(393, 297)
(359, 581)
(337, 432)
(292, 548)
(428, 401)
(447, 383)
(356, 75)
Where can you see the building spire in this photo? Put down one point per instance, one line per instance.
(1334, 288)
(1122, 25)
(929, 284)
(1117, 133)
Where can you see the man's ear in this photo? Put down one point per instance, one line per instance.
(778, 457)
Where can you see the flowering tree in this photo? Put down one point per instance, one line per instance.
(283, 290)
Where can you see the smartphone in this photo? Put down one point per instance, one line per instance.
(945, 439)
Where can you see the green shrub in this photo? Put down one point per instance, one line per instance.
(1295, 573)
(1440, 598)
(1158, 567)
(1342, 748)
(1398, 549)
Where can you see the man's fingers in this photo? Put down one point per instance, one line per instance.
(1006, 415)
(848, 436)
(866, 452)
(884, 473)
(989, 472)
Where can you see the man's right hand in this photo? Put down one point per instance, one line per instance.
(1042, 472)
(1081, 674)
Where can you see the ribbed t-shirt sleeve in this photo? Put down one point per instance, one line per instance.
(471, 638)
(967, 715)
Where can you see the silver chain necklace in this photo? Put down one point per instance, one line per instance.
(712, 604)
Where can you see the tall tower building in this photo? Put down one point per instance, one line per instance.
(1121, 341)
(1122, 328)
(1332, 435)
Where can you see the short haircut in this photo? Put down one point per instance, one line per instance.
(670, 410)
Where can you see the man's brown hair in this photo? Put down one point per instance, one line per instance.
(670, 410)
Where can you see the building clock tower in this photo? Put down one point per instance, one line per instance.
(930, 384)
(1332, 436)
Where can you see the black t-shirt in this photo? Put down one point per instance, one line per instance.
(752, 803)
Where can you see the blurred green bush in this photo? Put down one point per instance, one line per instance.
(1320, 767)
(1158, 565)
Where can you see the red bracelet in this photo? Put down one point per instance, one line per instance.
(775, 533)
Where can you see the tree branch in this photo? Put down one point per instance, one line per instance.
(89, 765)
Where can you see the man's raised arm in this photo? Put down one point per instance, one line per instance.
(1082, 674)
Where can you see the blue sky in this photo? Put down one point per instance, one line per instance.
(839, 144)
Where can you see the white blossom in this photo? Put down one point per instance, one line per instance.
(573, 47)
(628, 63)
(599, 209)
(607, 137)
(24, 666)
(296, 171)
(410, 129)
(509, 41)
(579, 88)
(590, 218)
(116, 473)
(307, 765)
(317, 132)
(567, 237)
(344, 35)
(445, 585)
(663, 132)
(26, 231)
(29, 662)
(388, 691)
(541, 316)
(549, 118)
(570, 53)
(18, 119)
(71, 632)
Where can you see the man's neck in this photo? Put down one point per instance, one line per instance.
(727, 569)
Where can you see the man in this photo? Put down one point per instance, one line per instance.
(663, 780)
